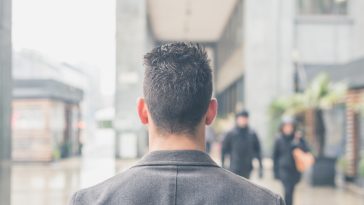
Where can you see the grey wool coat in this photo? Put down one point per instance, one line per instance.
(176, 177)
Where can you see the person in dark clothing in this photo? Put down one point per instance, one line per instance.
(284, 165)
(242, 145)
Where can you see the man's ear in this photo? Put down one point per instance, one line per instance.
(211, 112)
(142, 111)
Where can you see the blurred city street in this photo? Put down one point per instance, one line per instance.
(69, 86)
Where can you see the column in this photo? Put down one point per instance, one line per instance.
(131, 42)
(268, 44)
(5, 100)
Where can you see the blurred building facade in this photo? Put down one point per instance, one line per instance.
(46, 108)
(330, 40)
(283, 39)
(348, 128)
(257, 47)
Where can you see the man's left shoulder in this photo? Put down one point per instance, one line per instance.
(102, 191)
(89, 195)
(256, 194)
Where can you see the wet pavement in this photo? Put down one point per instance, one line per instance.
(54, 183)
(305, 194)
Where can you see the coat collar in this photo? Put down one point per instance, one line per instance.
(177, 157)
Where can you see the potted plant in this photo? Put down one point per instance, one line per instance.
(360, 179)
(341, 168)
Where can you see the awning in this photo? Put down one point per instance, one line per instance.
(48, 89)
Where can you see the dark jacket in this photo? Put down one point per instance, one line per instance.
(176, 177)
(284, 164)
(243, 146)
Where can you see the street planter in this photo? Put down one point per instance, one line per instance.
(65, 150)
(360, 182)
(360, 178)
(324, 172)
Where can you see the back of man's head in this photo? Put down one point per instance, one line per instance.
(177, 86)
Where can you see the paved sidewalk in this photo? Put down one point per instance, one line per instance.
(307, 195)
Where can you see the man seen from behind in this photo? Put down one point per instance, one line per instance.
(176, 106)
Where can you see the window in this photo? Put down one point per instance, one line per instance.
(322, 7)
(231, 97)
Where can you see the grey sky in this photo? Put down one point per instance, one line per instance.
(75, 31)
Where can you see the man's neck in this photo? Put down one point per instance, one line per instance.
(176, 142)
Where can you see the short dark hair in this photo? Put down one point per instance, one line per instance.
(177, 86)
(243, 113)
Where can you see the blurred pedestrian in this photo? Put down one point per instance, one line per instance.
(242, 145)
(210, 138)
(284, 163)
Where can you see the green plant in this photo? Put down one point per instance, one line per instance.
(222, 124)
(342, 164)
(319, 95)
(323, 94)
(56, 154)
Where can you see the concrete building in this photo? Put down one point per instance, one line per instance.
(131, 38)
(46, 105)
(140, 25)
(257, 46)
